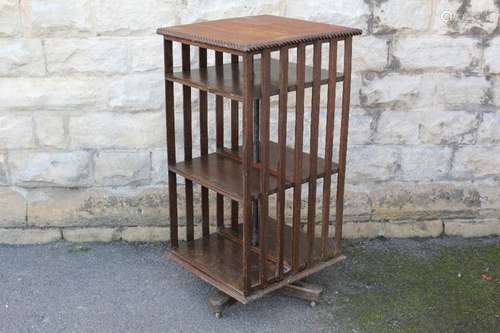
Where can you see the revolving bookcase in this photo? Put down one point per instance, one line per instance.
(253, 254)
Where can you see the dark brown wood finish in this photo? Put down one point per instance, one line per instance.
(313, 147)
(238, 263)
(234, 143)
(282, 161)
(299, 132)
(170, 126)
(255, 33)
(205, 212)
(344, 124)
(226, 80)
(330, 119)
(247, 159)
(219, 133)
(188, 144)
(264, 172)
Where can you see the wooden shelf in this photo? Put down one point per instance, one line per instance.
(217, 258)
(226, 80)
(221, 171)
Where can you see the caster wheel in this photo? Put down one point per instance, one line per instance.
(218, 315)
(313, 304)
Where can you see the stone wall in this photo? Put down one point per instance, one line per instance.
(82, 140)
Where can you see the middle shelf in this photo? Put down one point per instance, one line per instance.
(222, 171)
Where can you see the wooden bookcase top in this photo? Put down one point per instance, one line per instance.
(255, 33)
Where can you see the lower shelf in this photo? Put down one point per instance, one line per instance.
(217, 259)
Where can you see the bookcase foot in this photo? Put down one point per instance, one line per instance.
(218, 302)
(306, 291)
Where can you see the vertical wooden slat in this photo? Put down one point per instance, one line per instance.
(264, 173)
(346, 92)
(313, 154)
(219, 129)
(234, 145)
(330, 119)
(246, 165)
(205, 213)
(297, 161)
(282, 122)
(170, 124)
(188, 144)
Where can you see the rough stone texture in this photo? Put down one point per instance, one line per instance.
(80, 235)
(61, 17)
(98, 207)
(12, 208)
(21, 57)
(413, 229)
(64, 169)
(467, 228)
(82, 126)
(146, 234)
(10, 18)
(29, 236)
(122, 168)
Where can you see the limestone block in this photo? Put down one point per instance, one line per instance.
(54, 93)
(21, 57)
(61, 17)
(401, 15)
(141, 92)
(437, 52)
(146, 234)
(10, 20)
(34, 169)
(122, 206)
(397, 127)
(467, 228)
(425, 163)
(488, 132)
(159, 170)
(370, 163)
(448, 127)
(354, 13)
(4, 169)
(124, 18)
(465, 17)
(16, 131)
(413, 229)
(476, 161)
(352, 230)
(29, 236)
(49, 130)
(80, 235)
(91, 55)
(117, 130)
(491, 58)
(12, 208)
(424, 200)
(114, 168)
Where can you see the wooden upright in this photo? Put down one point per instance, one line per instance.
(252, 254)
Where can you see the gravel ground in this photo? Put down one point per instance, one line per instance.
(121, 287)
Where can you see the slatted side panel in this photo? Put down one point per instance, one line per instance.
(188, 144)
(219, 129)
(330, 118)
(234, 144)
(346, 91)
(298, 146)
(203, 111)
(170, 125)
(280, 196)
(264, 174)
(313, 154)
(246, 165)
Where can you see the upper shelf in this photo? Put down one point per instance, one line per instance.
(255, 33)
(226, 80)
